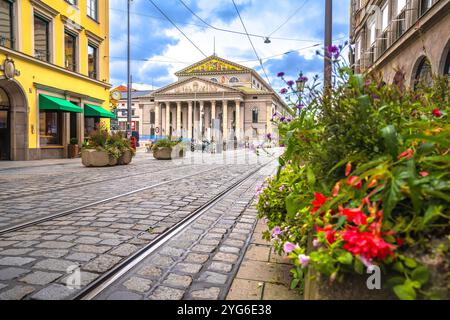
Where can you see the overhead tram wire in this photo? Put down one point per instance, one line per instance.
(251, 42)
(288, 19)
(181, 31)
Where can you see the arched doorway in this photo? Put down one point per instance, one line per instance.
(13, 121)
(5, 126)
(447, 64)
(423, 75)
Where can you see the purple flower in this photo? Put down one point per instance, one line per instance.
(304, 260)
(276, 232)
(281, 188)
(290, 83)
(316, 243)
(282, 119)
(269, 136)
(333, 50)
(283, 91)
(300, 106)
(289, 247)
(303, 78)
(288, 120)
(280, 74)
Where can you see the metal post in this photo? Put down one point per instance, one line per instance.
(129, 112)
(328, 42)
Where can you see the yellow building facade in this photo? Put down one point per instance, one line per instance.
(54, 75)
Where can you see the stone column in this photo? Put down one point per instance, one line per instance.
(179, 119)
(189, 128)
(238, 120)
(225, 120)
(202, 104)
(213, 118)
(157, 120)
(168, 133)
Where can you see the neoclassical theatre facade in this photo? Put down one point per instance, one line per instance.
(214, 99)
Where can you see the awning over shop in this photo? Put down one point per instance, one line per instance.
(94, 111)
(57, 104)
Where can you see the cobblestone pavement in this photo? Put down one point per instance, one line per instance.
(37, 191)
(35, 261)
(200, 262)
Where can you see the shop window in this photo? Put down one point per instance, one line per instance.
(41, 38)
(6, 24)
(92, 61)
(50, 128)
(152, 117)
(70, 50)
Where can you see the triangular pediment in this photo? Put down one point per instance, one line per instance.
(212, 64)
(195, 85)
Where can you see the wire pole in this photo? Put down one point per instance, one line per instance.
(129, 109)
(328, 39)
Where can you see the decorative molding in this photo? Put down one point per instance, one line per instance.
(71, 24)
(94, 37)
(42, 6)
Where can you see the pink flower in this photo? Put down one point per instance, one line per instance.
(289, 247)
(316, 243)
(276, 231)
(408, 154)
(352, 182)
(281, 188)
(303, 259)
(424, 174)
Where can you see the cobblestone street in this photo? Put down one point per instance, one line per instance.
(97, 218)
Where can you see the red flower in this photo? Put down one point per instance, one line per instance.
(336, 189)
(437, 113)
(406, 154)
(354, 215)
(330, 234)
(400, 242)
(366, 244)
(351, 182)
(319, 200)
(348, 169)
(424, 173)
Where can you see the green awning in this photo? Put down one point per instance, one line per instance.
(94, 111)
(57, 104)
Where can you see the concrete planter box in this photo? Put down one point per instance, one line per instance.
(167, 153)
(95, 158)
(125, 158)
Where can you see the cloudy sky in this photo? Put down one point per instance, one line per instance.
(159, 49)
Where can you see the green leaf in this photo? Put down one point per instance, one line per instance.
(340, 222)
(405, 292)
(293, 204)
(398, 266)
(310, 176)
(421, 274)
(389, 135)
(359, 267)
(432, 213)
(394, 281)
(345, 257)
(410, 263)
(392, 196)
(294, 283)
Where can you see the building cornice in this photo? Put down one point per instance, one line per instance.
(70, 93)
(54, 67)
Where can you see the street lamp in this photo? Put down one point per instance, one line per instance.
(267, 40)
(301, 81)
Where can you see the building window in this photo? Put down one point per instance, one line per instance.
(424, 74)
(385, 17)
(425, 5)
(73, 2)
(92, 9)
(357, 51)
(401, 4)
(92, 61)
(447, 65)
(234, 80)
(50, 125)
(214, 80)
(70, 50)
(152, 117)
(6, 24)
(255, 115)
(255, 133)
(41, 38)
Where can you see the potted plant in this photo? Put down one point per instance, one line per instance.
(73, 148)
(105, 149)
(166, 149)
(148, 147)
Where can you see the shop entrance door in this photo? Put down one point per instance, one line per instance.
(5, 136)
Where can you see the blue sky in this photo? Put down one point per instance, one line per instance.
(159, 49)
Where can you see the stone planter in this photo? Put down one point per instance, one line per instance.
(125, 158)
(73, 150)
(95, 158)
(163, 153)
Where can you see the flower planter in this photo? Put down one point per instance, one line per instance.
(73, 150)
(95, 158)
(125, 158)
(162, 153)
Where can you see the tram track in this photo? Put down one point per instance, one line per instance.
(46, 218)
(108, 278)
